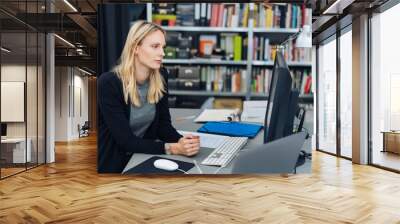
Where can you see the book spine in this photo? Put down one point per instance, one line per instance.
(214, 15)
(237, 54)
(197, 14)
(203, 14)
(208, 17)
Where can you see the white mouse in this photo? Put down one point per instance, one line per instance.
(166, 164)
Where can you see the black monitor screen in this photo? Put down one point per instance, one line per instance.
(3, 129)
(292, 110)
(278, 101)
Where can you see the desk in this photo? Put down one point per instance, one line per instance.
(13, 150)
(189, 125)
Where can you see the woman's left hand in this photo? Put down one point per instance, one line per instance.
(188, 145)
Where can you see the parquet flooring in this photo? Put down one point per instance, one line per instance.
(71, 191)
(10, 171)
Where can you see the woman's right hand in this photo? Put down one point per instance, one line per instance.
(188, 145)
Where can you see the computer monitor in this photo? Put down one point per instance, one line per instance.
(300, 115)
(277, 112)
(292, 111)
(3, 129)
(280, 61)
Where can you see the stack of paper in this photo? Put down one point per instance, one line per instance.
(254, 111)
(215, 115)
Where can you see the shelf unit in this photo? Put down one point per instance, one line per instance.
(203, 61)
(303, 97)
(276, 35)
(203, 93)
(206, 29)
(290, 63)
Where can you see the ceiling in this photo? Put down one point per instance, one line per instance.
(328, 16)
(76, 24)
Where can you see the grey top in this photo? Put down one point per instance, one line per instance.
(141, 117)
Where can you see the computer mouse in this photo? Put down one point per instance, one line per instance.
(166, 164)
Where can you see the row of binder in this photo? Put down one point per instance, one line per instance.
(233, 79)
(224, 79)
(282, 16)
(265, 51)
(261, 80)
(230, 46)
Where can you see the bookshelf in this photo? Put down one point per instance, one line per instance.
(249, 32)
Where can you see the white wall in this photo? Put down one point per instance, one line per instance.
(71, 87)
(80, 89)
(61, 103)
(12, 73)
(33, 126)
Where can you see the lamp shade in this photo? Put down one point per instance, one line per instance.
(304, 39)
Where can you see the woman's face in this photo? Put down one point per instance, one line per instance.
(151, 52)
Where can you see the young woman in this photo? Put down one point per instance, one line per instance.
(133, 104)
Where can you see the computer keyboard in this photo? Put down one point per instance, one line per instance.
(223, 154)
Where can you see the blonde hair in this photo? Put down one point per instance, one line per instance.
(125, 70)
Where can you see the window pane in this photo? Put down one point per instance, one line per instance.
(385, 84)
(346, 94)
(327, 97)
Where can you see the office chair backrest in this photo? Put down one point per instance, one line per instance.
(279, 156)
(86, 126)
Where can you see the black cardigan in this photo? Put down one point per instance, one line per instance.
(115, 141)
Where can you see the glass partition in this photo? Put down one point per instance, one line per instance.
(13, 108)
(22, 67)
(31, 98)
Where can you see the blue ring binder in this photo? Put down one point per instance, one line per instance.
(236, 129)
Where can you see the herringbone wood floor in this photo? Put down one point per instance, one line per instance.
(71, 191)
